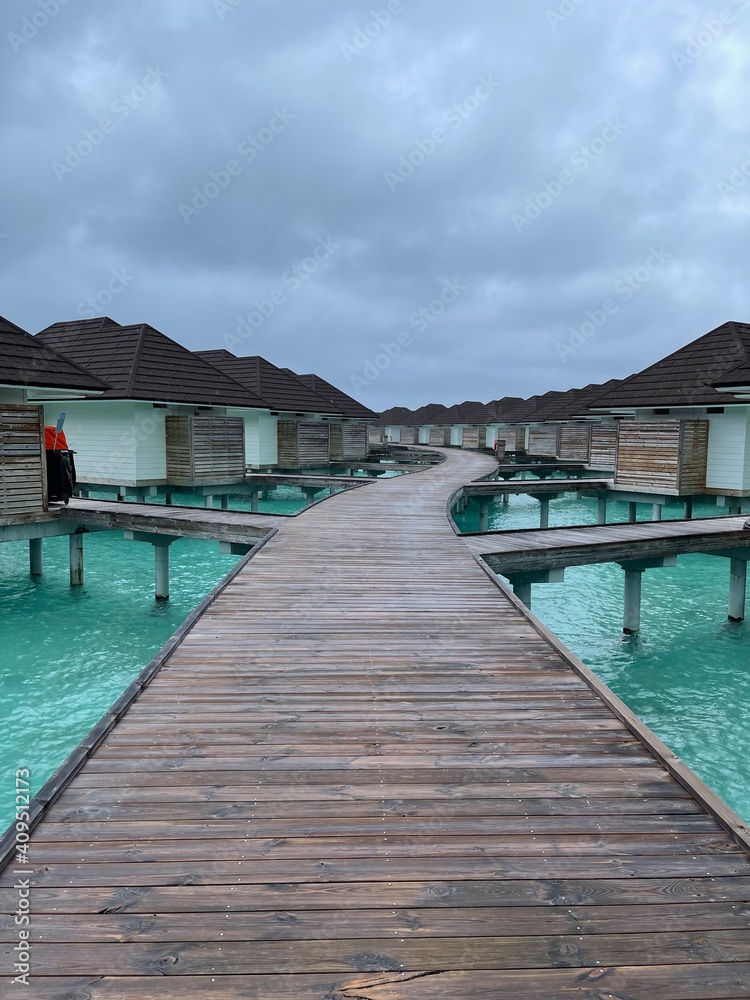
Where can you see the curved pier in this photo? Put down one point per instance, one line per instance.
(365, 772)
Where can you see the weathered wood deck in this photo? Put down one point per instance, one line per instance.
(366, 774)
(496, 487)
(188, 522)
(552, 548)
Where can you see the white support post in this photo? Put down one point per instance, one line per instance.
(632, 512)
(76, 560)
(737, 589)
(208, 502)
(161, 572)
(633, 592)
(254, 501)
(36, 556)
(544, 512)
(523, 593)
(656, 512)
(484, 515)
(602, 509)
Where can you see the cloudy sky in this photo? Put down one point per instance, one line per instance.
(421, 200)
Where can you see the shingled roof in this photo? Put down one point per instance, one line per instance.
(139, 362)
(26, 362)
(281, 390)
(687, 377)
(349, 406)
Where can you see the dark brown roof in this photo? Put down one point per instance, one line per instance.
(24, 361)
(346, 404)
(139, 362)
(687, 377)
(281, 390)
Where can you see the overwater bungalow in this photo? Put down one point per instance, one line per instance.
(349, 438)
(31, 372)
(166, 416)
(689, 427)
(296, 434)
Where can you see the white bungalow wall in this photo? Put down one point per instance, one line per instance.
(424, 435)
(457, 435)
(729, 449)
(261, 437)
(102, 434)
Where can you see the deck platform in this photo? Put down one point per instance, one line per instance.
(496, 488)
(366, 773)
(182, 522)
(522, 551)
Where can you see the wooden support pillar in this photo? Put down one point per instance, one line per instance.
(254, 501)
(76, 560)
(506, 498)
(36, 557)
(309, 492)
(544, 512)
(688, 510)
(632, 512)
(602, 509)
(633, 593)
(224, 501)
(737, 589)
(168, 499)
(656, 512)
(484, 515)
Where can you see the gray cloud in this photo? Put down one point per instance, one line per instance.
(190, 86)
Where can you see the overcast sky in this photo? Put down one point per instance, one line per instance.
(468, 184)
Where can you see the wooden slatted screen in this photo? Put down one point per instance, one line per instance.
(204, 450)
(603, 446)
(658, 455)
(575, 442)
(544, 440)
(23, 475)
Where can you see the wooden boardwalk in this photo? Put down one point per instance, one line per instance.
(365, 774)
(551, 548)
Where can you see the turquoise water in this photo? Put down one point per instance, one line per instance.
(282, 499)
(687, 674)
(69, 653)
